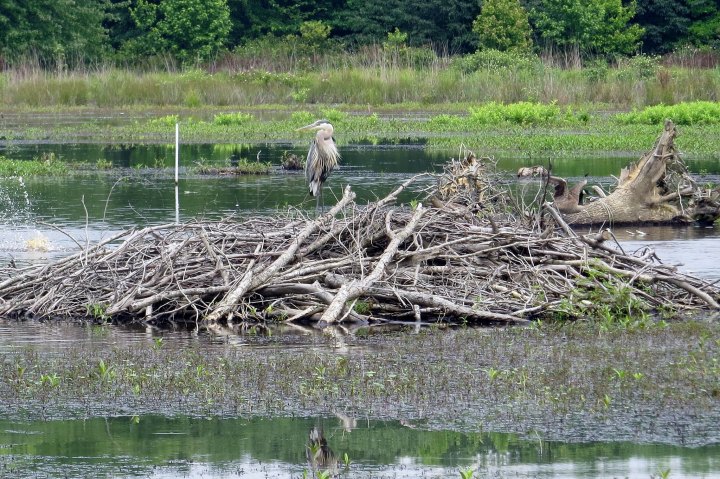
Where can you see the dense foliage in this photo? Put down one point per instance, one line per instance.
(503, 25)
(62, 33)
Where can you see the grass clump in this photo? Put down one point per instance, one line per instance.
(524, 113)
(232, 118)
(608, 300)
(240, 166)
(47, 165)
(495, 61)
(686, 113)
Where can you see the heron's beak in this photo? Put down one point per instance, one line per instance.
(308, 127)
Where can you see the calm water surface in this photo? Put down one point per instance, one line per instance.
(162, 447)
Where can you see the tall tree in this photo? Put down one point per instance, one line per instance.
(583, 28)
(705, 28)
(666, 23)
(503, 25)
(187, 29)
(57, 31)
(256, 18)
(440, 22)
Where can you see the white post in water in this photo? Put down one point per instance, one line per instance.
(177, 151)
(177, 167)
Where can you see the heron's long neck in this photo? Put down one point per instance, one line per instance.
(324, 142)
(325, 132)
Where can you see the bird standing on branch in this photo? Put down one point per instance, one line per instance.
(322, 158)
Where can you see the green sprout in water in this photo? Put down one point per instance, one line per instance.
(97, 311)
(467, 473)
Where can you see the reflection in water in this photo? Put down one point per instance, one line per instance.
(161, 447)
(689, 248)
(319, 455)
(57, 337)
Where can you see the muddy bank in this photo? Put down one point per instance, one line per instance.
(644, 381)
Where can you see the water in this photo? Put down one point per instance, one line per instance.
(162, 447)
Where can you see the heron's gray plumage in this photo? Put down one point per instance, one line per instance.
(323, 156)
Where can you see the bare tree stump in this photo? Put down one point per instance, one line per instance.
(657, 189)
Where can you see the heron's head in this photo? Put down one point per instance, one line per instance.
(319, 124)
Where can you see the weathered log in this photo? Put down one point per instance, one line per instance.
(657, 189)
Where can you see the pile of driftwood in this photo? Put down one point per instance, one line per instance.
(463, 256)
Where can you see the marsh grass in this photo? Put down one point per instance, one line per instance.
(371, 76)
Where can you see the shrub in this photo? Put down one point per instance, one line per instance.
(639, 67)
(232, 118)
(495, 61)
(522, 113)
(690, 113)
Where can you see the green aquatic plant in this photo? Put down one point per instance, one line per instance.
(521, 113)
(165, 121)
(686, 113)
(104, 371)
(663, 473)
(98, 311)
(238, 118)
(608, 299)
(46, 165)
(103, 164)
(51, 380)
(467, 473)
(362, 307)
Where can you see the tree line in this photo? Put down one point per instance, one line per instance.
(128, 31)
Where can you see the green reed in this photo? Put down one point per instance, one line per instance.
(367, 78)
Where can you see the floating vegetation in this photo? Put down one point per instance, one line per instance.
(239, 166)
(46, 165)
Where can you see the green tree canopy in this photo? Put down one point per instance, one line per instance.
(254, 19)
(425, 21)
(187, 29)
(581, 27)
(503, 25)
(705, 28)
(665, 22)
(57, 31)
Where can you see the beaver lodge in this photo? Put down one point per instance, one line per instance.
(469, 252)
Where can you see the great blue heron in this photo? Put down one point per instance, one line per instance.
(322, 158)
